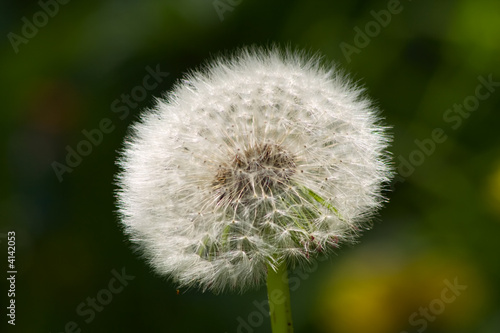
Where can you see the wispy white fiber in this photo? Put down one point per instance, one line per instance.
(257, 158)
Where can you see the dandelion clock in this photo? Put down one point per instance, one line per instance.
(252, 165)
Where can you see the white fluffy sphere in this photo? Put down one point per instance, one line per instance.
(260, 158)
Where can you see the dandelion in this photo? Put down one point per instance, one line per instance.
(252, 165)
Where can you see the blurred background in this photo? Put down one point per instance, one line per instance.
(72, 76)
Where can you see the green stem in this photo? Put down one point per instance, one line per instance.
(278, 294)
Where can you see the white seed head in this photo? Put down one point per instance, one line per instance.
(259, 158)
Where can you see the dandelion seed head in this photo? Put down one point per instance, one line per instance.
(262, 157)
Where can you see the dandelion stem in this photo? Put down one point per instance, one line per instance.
(278, 294)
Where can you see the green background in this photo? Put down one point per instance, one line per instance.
(441, 225)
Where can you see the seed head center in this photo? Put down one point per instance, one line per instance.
(254, 172)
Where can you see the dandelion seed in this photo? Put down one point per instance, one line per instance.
(262, 159)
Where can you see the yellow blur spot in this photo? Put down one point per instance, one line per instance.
(493, 190)
(378, 293)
